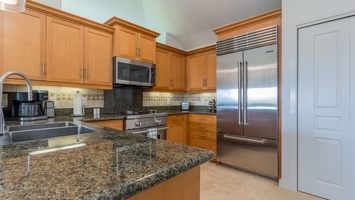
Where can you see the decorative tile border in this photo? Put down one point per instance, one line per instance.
(63, 97)
(172, 99)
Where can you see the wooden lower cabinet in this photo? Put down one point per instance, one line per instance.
(203, 132)
(177, 129)
(115, 124)
(185, 186)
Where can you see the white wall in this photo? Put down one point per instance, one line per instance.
(295, 14)
(101, 11)
(52, 3)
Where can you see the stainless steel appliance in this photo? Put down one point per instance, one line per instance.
(19, 108)
(48, 108)
(132, 72)
(185, 106)
(146, 123)
(247, 102)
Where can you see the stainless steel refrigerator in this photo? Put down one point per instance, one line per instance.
(247, 102)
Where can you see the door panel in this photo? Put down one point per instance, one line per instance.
(323, 110)
(228, 111)
(24, 44)
(261, 83)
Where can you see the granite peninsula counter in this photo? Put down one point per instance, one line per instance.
(108, 164)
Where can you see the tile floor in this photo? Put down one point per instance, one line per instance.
(225, 183)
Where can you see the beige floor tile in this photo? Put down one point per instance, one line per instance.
(217, 190)
(225, 183)
(205, 196)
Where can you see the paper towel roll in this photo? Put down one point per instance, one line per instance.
(77, 104)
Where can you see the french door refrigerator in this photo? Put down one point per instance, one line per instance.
(247, 102)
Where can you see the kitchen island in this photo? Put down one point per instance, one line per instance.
(107, 164)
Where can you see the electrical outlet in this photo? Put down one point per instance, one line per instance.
(84, 101)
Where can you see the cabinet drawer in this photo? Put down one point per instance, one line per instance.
(203, 144)
(175, 119)
(202, 118)
(207, 132)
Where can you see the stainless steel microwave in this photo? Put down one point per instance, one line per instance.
(133, 72)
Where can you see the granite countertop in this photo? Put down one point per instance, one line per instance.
(179, 112)
(108, 164)
(103, 117)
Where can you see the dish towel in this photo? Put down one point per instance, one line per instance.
(152, 133)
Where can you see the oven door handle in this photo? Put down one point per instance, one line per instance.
(146, 131)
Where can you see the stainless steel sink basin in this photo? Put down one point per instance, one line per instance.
(44, 131)
(38, 126)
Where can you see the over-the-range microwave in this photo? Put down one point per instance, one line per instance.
(133, 72)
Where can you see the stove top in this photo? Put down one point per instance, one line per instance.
(137, 120)
(129, 112)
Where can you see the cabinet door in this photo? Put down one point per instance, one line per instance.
(211, 71)
(177, 71)
(177, 129)
(126, 43)
(162, 69)
(147, 48)
(64, 51)
(97, 57)
(196, 72)
(23, 41)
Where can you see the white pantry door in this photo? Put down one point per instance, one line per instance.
(325, 100)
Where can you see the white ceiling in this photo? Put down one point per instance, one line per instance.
(185, 24)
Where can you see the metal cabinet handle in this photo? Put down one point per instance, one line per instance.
(240, 82)
(245, 97)
(86, 72)
(43, 68)
(262, 141)
(137, 51)
(202, 127)
(81, 72)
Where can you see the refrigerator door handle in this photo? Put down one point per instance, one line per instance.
(261, 141)
(245, 93)
(240, 76)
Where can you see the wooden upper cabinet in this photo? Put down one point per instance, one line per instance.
(170, 69)
(177, 72)
(133, 41)
(64, 51)
(78, 54)
(126, 43)
(162, 74)
(196, 70)
(211, 70)
(53, 47)
(23, 43)
(97, 57)
(201, 70)
(146, 48)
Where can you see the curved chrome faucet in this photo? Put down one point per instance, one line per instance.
(2, 79)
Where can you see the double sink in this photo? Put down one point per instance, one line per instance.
(23, 133)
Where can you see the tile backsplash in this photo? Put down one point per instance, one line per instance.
(63, 97)
(117, 99)
(173, 99)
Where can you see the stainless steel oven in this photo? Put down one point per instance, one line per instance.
(132, 72)
(150, 124)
